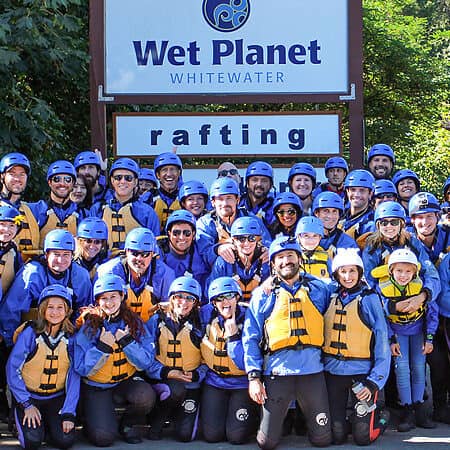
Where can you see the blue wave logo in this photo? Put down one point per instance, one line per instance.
(226, 15)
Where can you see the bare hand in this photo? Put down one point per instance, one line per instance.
(32, 417)
(179, 375)
(107, 337)
(427, 348)
(267, 285)
(230, 324)
(264, 255)
(121, 333)
(257, 391)
(411, 304)
(364, 394)
(226, 251)
(395, 350)
(103, 162)
(67, 426)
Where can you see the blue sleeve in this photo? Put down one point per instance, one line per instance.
(141, 354)
(72, 385)
(374, 316)
(371, 260)
(432, 316)
(319, 294)
(147, 217)
(220, 269)
(235, 351)
(154, 369)
(444, 297)
(82, 286)
(206, 237)
(253, 331)
(162, 280)
(96, 210)
(39, 210)
(24, 346)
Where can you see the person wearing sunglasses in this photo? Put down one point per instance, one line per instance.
(56, 266)
(282, 339)
(249, 268)
(179, 250)
(384, 191)
(214, 228)
(177, 371)
(123, 211)
(259, 197)
(91, 244)
(111, 347)
(329, 208)
(228, 169)
(287, 210)
(226, 383)
(15, 170)
(168, 170)
(148, 278)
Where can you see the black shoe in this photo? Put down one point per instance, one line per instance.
(154, 434)
(442, 414)
(406, 419)
(131, 436)
(423, 419)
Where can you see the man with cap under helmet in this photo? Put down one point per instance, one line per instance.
(124, 211)
(55, 267)
(147, 278)
(213, 229)
(282, 338)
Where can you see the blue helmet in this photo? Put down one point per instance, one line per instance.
(281, 244)
(406, 173)
(186, 284)
(286, 198)
(423, 202)
(360, 178)
(167, 159)
(303, 169)
(336, 162)
(181, 215)
(141, 239)
(86, 157)
(388, 210)
(92, 228)
(259, 168)
(246, 225)
(383, 186)
(223, 285)
(109, 283)
(446, 186)
(61, 167)
(191, 188)
(309, 224)
(126, 164)
(328, 200)
(223, 186)
(59, 240)
(381, 150)
(9, 214)
(14, 159)
(56, 290)
(147, 174)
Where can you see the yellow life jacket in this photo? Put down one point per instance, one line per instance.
(163, 211)
(28, 238)
(119, 224)
(116, 368)
(346, 334)
(294, 322)
(145, 304)
(7, 272)
(316, 264)
(45, 371)
(248, 286)
(214, 351)
(178, 352)
(69, 224)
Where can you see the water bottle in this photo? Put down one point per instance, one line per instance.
(362, 407)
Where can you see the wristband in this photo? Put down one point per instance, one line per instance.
(429, 338)
(254, 375)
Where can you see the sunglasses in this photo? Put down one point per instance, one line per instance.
(186, 233)
(224, 173)
(286, 212)
(93, 241)
(137, 253)
(59, 178)
(387, 196)
(242, 239)
(128, 178)
(187, 297)
(393, 222)
(229, 296)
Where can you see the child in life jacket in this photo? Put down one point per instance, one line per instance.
(314, 260)
(40, 374)
(411, 334)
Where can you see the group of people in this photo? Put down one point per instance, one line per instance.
(131, 298)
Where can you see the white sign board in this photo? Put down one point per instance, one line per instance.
(224, 135)
(226, 46)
